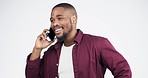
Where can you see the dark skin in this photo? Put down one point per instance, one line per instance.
(63, 21)
(64, 18)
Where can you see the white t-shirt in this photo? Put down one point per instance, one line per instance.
(65, 69)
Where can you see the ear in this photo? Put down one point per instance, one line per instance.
(73, 19)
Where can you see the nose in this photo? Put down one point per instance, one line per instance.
(55, 23)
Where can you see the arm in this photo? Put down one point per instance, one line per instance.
(34, 67)
(114, 61)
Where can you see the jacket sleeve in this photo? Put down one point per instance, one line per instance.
(114, 61)
(34, 69)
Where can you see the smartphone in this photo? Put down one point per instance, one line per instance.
(51, 35)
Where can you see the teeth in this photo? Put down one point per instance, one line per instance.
(58, 29)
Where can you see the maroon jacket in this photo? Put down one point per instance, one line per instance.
(92, 55)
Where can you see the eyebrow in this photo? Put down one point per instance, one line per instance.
(57, 16)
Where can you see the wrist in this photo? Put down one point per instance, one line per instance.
(35, 53)
(37, 49)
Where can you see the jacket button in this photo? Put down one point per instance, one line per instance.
(57, 64)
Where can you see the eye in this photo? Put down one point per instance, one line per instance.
(51, 20)
(60, 18)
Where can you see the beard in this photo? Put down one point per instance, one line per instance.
(64, 36)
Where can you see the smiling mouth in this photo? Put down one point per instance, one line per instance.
(57, 30)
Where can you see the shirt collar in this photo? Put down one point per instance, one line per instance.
(77, 39)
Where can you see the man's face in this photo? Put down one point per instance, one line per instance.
(61, 22)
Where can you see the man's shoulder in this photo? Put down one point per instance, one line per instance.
(85, 37)
(93, 37)
(93, 40)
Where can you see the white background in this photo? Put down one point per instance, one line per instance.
(123, 22)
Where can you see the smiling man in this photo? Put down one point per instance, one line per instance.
(75, 55)
(63, 22)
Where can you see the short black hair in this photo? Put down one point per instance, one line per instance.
(64, 5)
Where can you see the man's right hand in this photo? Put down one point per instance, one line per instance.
(40, 43)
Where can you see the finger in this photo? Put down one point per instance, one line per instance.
(41, 37)
(45, 31)
(54, 39)
(50, 42)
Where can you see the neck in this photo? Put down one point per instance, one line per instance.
(70, 38)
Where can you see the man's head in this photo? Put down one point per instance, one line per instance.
(63, 20)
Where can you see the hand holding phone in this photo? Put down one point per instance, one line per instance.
(41, 43)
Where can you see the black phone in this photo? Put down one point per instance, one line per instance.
(51, 34)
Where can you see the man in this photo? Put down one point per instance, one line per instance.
(74, 55)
